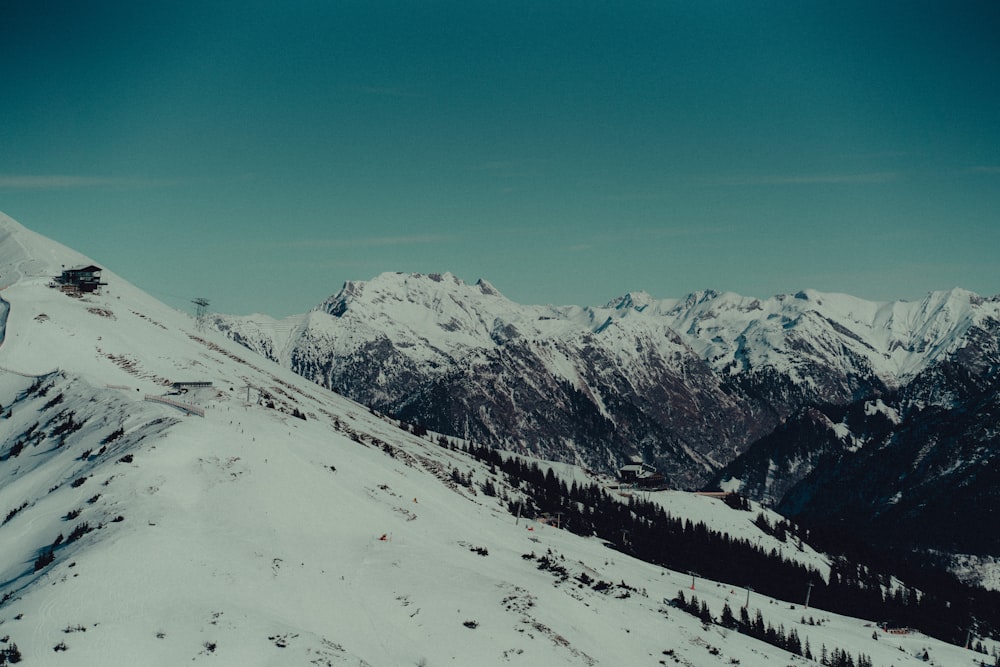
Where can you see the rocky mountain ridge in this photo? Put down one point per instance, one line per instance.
(687, 383)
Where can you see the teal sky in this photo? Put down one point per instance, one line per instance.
(261, 153)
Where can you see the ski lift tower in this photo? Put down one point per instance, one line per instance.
(201, 311)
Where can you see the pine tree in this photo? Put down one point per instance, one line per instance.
(758, 630)
(792, 643)
(727, 620)
(772, 637)
(704, 613)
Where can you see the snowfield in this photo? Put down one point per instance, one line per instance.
(252, 536)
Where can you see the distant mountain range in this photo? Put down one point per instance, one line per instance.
(880, 415)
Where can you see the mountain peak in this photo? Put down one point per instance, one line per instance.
(704, 295)
(957, 295)
(631, 301)
(487, 288)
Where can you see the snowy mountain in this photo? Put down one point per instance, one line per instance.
(169, 497)
(686, 383)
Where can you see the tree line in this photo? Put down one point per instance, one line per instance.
(942, 607)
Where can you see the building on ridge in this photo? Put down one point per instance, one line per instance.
(80, 280)
(640, 475)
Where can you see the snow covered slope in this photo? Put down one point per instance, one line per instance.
(288, 525)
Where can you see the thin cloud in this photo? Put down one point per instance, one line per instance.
(513, 165)
(656, 233)
(810, 179)
(497, 165)
(391, 91)
(634, 197)
(370, 241)
(876, 155)
(982, 169)
(691, 230)
(67, 181)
